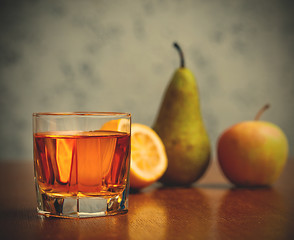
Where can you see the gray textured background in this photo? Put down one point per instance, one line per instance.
(118, 56)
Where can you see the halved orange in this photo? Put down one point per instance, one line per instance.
(121, 125)
(148, 156)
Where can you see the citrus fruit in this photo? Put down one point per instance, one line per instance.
(148, 156)
(121, 125)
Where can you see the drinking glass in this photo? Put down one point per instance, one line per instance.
(81, 163)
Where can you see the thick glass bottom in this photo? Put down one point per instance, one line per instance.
(81, 207)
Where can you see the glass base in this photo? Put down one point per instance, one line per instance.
(81, 207)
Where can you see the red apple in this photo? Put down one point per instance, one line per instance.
(253, 153)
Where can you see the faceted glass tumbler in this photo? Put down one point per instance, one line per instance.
(81, 163)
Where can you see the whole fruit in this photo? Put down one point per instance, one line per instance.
(180, 125)
(253, 153)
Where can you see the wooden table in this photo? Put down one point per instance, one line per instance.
(211, 209)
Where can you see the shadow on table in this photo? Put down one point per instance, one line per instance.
(21, 214)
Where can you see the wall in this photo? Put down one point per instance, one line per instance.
(118, 56)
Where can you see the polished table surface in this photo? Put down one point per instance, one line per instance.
(210, 209)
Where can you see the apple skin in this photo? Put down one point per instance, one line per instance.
(252, 153)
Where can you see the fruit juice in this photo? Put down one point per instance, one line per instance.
(73, 163)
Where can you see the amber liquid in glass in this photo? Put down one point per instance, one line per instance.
(69, 163)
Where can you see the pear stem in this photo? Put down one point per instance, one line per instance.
(182, 59)
(261, 111)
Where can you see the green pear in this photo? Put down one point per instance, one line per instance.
(180, 126)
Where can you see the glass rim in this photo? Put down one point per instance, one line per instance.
(83, 113)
